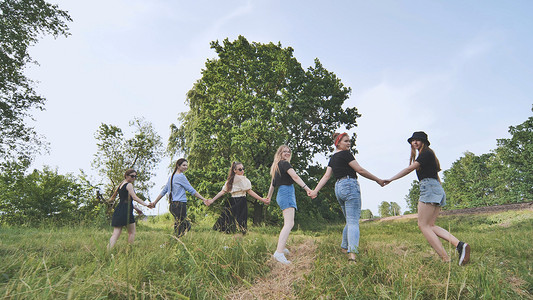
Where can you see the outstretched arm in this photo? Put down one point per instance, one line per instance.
(197, 195)
(405, 171)
(271, 189)
(363, 172)
(321, 183)
(256, 196)
(298, 180)
(220, 194)
(134, 196)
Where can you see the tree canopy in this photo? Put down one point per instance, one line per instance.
(22, 22)
(116, 153)
(251, 99)
(44, 196)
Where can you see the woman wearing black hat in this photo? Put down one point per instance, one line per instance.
(432, 197)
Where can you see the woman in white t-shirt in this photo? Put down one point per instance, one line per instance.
(234, 215)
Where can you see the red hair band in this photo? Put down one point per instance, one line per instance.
(339, 137)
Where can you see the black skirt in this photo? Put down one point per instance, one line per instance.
(120, 215)
(234, 216)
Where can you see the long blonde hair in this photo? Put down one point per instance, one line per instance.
(424, 147)
(277, 157)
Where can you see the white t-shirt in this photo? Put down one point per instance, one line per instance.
(241, 185)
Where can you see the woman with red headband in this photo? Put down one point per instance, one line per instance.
(345, 168)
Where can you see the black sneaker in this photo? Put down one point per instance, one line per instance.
(464, 253)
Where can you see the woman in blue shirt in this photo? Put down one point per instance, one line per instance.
(176, 186)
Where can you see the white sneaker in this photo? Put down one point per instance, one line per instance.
(281, 258)
(286, 251)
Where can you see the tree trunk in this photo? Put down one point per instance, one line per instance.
(258, 213)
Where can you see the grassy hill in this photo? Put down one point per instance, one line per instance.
(395, 262)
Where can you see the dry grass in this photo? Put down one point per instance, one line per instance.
(278, 284)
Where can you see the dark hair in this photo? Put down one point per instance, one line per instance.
(231, 176)
(128, 172)
(179, 162)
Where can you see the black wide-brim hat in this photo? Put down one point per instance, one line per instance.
(419, 135)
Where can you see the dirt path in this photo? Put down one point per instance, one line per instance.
(466, 211)
(278, 283)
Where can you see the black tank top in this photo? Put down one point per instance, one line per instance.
(123, 193)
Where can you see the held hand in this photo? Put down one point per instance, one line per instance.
(266, 201)
(387, 181)
(313, 194)
(206, 202)
(151, 205)
(380, 182)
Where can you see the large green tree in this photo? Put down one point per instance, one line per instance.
(250, 99)
(22, 23)
(468, 183)
(516, 156)
(116, 153)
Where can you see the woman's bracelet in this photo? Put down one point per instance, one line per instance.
(305, 185)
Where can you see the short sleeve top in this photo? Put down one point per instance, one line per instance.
(428, 165)
(283, 178)
(340, 164)
(241, 185)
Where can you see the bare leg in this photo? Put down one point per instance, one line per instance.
(441, 232)
(114, 237)
(288, 223)
(131, 233)
(427, 214)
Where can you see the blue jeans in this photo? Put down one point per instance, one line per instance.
(348, 194)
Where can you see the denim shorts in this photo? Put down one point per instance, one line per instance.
(431, 192)
(286, 197)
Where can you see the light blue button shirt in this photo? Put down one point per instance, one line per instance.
(180, 184)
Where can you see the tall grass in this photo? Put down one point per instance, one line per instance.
(395, 262)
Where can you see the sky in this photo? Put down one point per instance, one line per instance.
(462, 71)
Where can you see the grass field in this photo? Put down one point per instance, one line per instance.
(395, 262)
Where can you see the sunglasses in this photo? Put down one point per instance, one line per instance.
(133, 176)
(240, 169)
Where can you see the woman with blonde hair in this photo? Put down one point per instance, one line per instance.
(123, 214)
(345, 168)
(432, 197)
(235, 212)
(283, 177)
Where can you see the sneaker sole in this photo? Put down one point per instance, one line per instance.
(465, 255)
